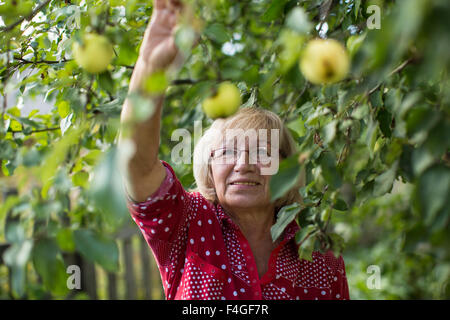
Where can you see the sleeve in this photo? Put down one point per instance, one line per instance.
(338, 278)
(164, 220)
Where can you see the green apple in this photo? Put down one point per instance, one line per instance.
(94, 54)
(324, 61)
(224, 103)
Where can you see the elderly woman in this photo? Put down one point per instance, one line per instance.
(215, 243)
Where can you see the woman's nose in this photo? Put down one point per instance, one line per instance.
(243, 161)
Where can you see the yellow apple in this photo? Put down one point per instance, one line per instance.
(94, 54)
(324, 61)
(224, 103)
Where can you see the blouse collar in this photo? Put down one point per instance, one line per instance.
(288, 233)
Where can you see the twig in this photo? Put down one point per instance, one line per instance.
(294, 103)
(37, 130)
(325, 9)
(177, 82)
(5, 80)
(40, 61)
(396, 70)
(346, 145)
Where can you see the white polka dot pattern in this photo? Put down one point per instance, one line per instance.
(202, 281)
(202, 254)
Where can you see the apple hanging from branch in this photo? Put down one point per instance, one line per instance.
(324, 61)
(224, 103)
(94, 54)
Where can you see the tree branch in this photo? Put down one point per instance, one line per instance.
(396, 70)
(37, 130)
(40, 61)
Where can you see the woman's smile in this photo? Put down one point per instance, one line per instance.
(244, 186)
(244, 183)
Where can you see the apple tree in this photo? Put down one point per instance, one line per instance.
(369, 111)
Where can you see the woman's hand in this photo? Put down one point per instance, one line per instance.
(158, 50)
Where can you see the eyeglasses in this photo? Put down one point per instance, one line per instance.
(230, 155)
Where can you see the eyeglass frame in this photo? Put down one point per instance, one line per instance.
(239, 153)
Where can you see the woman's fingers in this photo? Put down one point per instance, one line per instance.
(174, 5)
(160, 4)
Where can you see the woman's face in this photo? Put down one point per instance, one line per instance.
(237, 178)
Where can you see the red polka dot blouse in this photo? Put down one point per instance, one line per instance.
(202, 254)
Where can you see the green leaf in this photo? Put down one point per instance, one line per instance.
(143, 107)
(217, 33)
(303, 232)
(298, 125)
(297, 20)
(14, 232)
(107, 189)
(156, 83)
(233, 67)
(31, 158)
(291, 44)
(419, 121)
(338, 244)
(267, 87)
(330, 173)
(97, 248)
(286, 178)
(65, 240)
(48, 264)
(285, 216)
(58, 153)
(184, 39)
(63, 108)
(7, 151)
(356, 8)
(81, 179)
(433, 191)
(384, 182)
(106, 81)
(421, 160)
(330, 130)
(306, 249)
(340, 205)
(92, 157)
(274, 11)
(371, 134)
(385, 120)
(16, 257)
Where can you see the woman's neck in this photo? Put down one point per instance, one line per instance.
(255, 226)
(254, 223)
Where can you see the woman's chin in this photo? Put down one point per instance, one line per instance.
(245, 201)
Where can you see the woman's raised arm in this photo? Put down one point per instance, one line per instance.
(144, 171)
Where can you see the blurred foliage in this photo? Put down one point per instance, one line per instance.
(374, 147)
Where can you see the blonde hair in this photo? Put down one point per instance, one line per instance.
(245, 118)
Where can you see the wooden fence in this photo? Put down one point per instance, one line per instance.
(138, 277)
